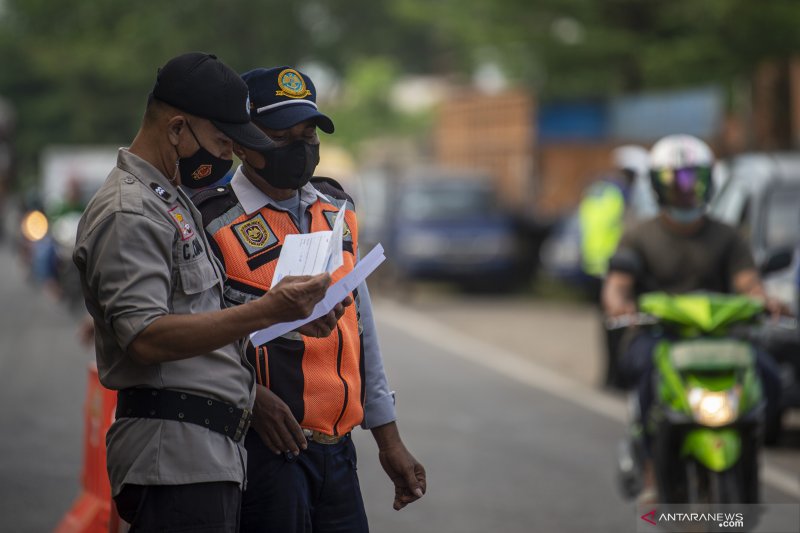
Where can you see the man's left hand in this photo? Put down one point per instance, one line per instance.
(407, 474)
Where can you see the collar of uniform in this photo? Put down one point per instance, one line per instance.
(252, 198)
(147, 174)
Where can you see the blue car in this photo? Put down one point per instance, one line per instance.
(449, 227)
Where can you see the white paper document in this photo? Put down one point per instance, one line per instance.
(308, 254)
(336, 293)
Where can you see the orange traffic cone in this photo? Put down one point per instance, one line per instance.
(94, 511)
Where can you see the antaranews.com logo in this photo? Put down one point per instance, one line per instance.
(723, 520)
(777, 518)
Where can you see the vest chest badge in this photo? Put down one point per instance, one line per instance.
(330, 217)
(180, 218)
(255, 235)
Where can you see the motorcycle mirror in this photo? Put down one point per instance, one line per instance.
(777, 260)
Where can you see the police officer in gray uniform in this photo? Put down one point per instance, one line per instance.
(175, 452)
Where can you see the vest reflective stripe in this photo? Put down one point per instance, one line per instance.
(601, 216)
(320, 379)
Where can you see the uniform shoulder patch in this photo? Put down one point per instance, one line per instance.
(182, 221)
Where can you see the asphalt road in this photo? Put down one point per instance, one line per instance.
(42, 389)
(500, 456)
(507, 445)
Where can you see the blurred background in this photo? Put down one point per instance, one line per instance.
(469, 133)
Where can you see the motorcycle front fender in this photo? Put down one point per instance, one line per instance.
(716, 449)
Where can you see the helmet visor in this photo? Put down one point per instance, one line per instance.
(683, 187)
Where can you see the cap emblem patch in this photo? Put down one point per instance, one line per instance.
(291, 84)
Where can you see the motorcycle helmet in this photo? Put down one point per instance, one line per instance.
(680, 172)
(631, 159)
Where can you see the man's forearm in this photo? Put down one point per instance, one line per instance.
(175, 337)
(617, 293)
(748, 283)
(387, 435)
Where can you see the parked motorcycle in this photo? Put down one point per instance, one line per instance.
(707, 422)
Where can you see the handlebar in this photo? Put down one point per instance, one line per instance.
(626, 321)
(767, 332)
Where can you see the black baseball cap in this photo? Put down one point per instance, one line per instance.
(200, 84)
(281, 97)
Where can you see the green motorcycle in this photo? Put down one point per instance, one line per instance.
(707, 421)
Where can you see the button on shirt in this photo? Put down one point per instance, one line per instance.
(142, 254)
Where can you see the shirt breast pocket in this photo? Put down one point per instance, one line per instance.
(197, 275)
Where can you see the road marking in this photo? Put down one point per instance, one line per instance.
(521, 369)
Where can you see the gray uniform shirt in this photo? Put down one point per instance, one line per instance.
(142, 254)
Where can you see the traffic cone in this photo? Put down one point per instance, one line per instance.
(94, 511)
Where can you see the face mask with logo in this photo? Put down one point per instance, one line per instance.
(290, 166)
(202, 168)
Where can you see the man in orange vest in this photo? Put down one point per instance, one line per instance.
(311, 391)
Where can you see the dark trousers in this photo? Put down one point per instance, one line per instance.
(316, 491)
(200, 507)
(638, 367)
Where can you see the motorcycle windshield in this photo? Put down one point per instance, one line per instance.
(708, 313)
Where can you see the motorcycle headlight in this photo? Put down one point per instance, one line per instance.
(714, 408)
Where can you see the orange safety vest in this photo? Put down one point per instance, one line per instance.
(321, 380)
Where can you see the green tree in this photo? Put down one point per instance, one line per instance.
(79, 71)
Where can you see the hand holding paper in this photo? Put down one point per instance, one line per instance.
(336, 293)
(324, 325)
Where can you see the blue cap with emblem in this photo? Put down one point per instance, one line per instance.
(281, 97)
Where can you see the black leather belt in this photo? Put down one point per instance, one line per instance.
(166, 404)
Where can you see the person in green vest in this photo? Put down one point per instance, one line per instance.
(605, 211)
(609, 206)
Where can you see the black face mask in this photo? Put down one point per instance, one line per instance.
(202, 168)
(290, 166)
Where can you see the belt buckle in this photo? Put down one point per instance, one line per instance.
(244, 425)
(321, 438)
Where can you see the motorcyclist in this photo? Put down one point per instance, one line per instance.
(681, 250)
